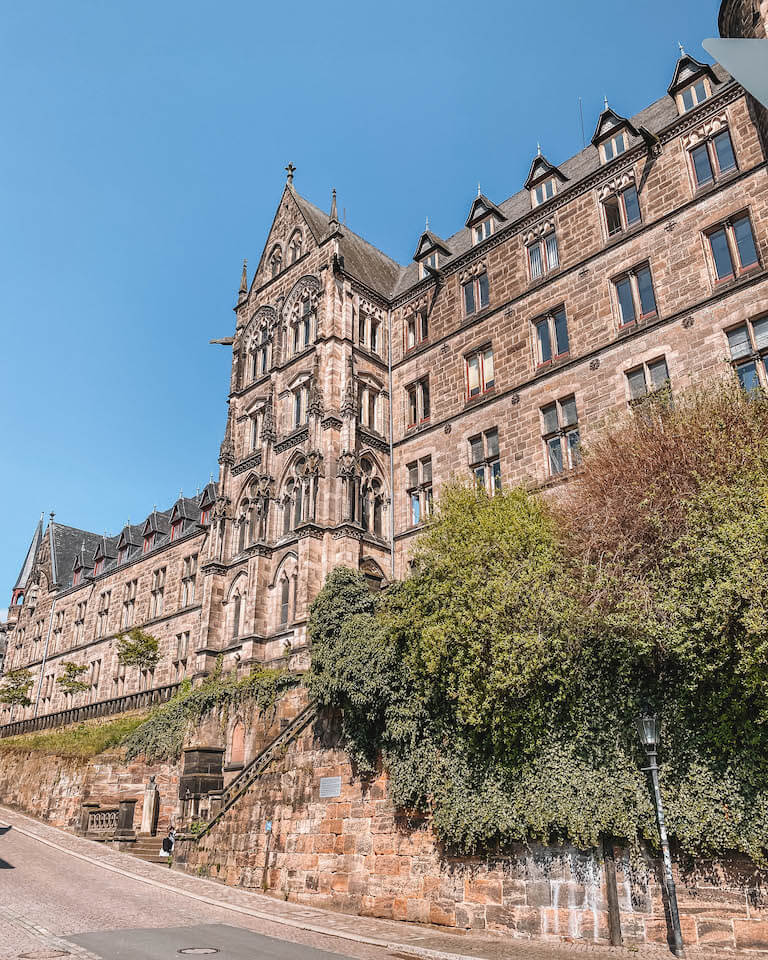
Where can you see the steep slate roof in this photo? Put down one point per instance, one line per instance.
(29, 560)
(66, 544)
(377, 270)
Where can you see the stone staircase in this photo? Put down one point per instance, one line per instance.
(148, 848)
(237, 787)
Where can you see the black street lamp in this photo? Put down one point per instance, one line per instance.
(648, 729)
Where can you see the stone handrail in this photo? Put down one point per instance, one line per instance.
(88, 711)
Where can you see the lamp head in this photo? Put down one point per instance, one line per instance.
(648, 730)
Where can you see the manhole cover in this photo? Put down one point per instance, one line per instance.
(44, 954)
(196, 950)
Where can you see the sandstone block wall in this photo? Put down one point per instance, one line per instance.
(356, 853)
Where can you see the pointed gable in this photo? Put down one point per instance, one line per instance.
(428, 243)
(481, 208)
(610, 123)
(688, 70)
(541, 168)
(293, 213)
(29, 559)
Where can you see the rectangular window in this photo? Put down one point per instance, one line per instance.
(417, 398)
(480, 374)
(416, 329)
(419, 490)
(484, 461)
(694, 95)
(129, 603)
(476, 294)
(483, 230)
(712, 158)
(748, 347)
(543, 192)
(560, 433)
(188, 580)
(622, 210)
(647, 379)
(614, 147)
(157, 595)
(102, 617)
(543, 256)
(733, 247)
(634, 295)
(551, 336)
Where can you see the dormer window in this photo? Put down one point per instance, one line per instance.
(98, 566)
(122, 554)
(149, 541)
(76, 577)
(483, 230)
(430, 261)
(613, 147)
(176, 529)
(544, 191)
(697, 93)
(205, 515)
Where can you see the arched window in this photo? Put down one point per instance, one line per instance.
(236, 610)
(372, 498)
(295, 247)
(241, 533)
(299, 505)
(367, 409)
(302, 324)
(287, 505)
(285, 600)
(237, 749)
(276, 261)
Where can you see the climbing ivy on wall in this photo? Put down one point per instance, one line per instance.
(161, 736)
(500, 682)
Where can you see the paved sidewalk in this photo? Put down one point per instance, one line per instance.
(392, 936)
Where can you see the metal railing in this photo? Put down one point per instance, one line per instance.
(89, 711)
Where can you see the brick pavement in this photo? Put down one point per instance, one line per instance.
(397, 938)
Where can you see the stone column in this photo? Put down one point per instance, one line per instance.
(125, 832)
(149, 811)
(85, 814)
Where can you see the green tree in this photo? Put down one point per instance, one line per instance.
(138, 649)
(15, 688)
(69, 681)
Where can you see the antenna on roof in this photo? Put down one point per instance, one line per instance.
(581, 124)
(682, 49)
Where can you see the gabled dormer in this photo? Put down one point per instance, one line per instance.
(205, 504)
(81, 566)
(484, 218)
(692, 83)
(612, 133)
(182, 514)
(429, 252)
(544, 180)
(156, 526)
(127, 543)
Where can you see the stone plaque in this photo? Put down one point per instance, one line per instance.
(330, 787)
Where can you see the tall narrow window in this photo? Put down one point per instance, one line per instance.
(129, 604)
(416, 329)
(560, 433)
(694, 95)
(479, 371)
(301, 405)
(732, 244)
(157, 594)
(418, 404)
(543, 192)
(613, 147)
(551, 337)
(475, 294)
(484, 461)
(543, 256)
(236, 610)
(285, 600)
(188, 580)
(420, 490)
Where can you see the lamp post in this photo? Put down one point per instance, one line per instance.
(648, 729)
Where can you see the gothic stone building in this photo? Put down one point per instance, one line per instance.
(359, 386)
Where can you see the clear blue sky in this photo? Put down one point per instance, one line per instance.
(142, 157)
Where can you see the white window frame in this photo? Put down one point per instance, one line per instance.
(543, 191)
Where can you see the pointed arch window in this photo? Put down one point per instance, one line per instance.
(285, 601)
(287, 506)
(295, 247)
(299, 505)
(302, 333)
(276, 261)
(236, 611)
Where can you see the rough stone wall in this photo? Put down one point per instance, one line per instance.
(744, 18)
(52, 788)
(356, 853)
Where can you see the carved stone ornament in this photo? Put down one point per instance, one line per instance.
(709, 128)
(594, 363)
(348, 406)
(688, 322)
(447, 428)
(227, 449)
(312, 464)
(347, 464)
(538, 230)
(292, 303)
(268, 430)
(472, 270)
(514, 398)
(221, 508)
(624, 179)
(253, 329)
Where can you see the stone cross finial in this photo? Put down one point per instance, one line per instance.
(333, 217)
(244, 280)
(538, 148)
(605, 103)
(290, 170)
(682, 49)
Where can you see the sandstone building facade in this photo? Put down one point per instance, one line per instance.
(359, 386)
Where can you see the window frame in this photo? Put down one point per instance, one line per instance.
(704, 81)
(756, 357)
(484, 227)
(631, 277)
(620, 196)
(717, 172)
(727, 227)
(486, 470)
(431, 260)
(550, 319)
(485, 385)
(650, 390)
(537, 201)
(420, 494)
(475, 284)
(569, 456)
(420, 320)
(622, 135)
(418, 387)
(541, 244)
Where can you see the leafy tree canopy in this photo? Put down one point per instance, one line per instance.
(69, 681)
(15, 687)
(138, 649)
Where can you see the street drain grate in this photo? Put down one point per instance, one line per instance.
(197, 950)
